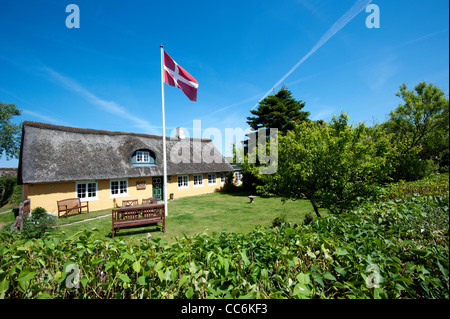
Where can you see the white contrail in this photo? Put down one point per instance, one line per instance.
(359, 6)
(108, 106)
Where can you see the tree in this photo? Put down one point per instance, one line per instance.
(279, 111)
(419, 128)
(332, 164)
(9, 132)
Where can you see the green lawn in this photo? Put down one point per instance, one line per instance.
(217, 212)
(6, 216)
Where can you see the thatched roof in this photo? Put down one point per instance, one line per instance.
(8, 172)
(51, 153)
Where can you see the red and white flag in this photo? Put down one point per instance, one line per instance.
(178, 77)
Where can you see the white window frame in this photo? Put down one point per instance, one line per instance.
(222, 178)
(198, 180)
(142, 157)
(213, 178)
(120, 192)
(238, 177)
(184, 181)
(86, 183)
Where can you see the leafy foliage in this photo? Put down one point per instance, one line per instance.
(389, 249)
(12, 193)
(229, 186)
(420, 126)
(37, 223)
(333, 165)
(434, 185)
(279, 111)
(413, 142)
(9, 132)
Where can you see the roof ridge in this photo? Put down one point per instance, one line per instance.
(95, 131)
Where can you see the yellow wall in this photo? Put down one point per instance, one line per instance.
(47, 194)
(172, 186)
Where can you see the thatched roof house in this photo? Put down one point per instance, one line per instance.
(51, 155)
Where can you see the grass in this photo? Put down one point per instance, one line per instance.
(217, 212)
(6, 216)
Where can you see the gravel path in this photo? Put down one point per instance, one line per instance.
(82, 221)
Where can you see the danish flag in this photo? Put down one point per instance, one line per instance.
(176, 76)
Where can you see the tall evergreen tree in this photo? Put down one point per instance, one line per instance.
(279, 111)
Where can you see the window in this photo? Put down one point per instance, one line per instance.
(222, 178)
(237, 177)
(119, 188)
(212, 179)
(86, 190)
(142, 157)
(198, 180)
(183, 181)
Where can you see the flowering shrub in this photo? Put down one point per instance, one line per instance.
(37, 223)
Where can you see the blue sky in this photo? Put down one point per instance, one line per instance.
(107, 74)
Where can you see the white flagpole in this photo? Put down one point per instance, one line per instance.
(164, 133)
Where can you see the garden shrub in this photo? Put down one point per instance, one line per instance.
(375, 251)
(433, 185)
(279, 221)
(7, 185)
(37, 223)
(229, 186)
(16, 196)
(308, 219)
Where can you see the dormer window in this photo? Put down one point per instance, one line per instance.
(143, 158)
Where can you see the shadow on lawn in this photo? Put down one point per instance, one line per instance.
(136, 230)
(238, 192)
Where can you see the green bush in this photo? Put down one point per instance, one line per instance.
(375, 251)
(411, 168)
(433, 185)
(308, 219)
(229, 186)
(279, 221)
(333, 165)
(12, 193)
(7, 186)
(37, 223)
(16, 196)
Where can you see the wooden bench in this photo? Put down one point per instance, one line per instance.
(130, 202)
(151, 200)
(66, 205)
(138, 215)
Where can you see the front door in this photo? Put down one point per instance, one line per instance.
(158, 188)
